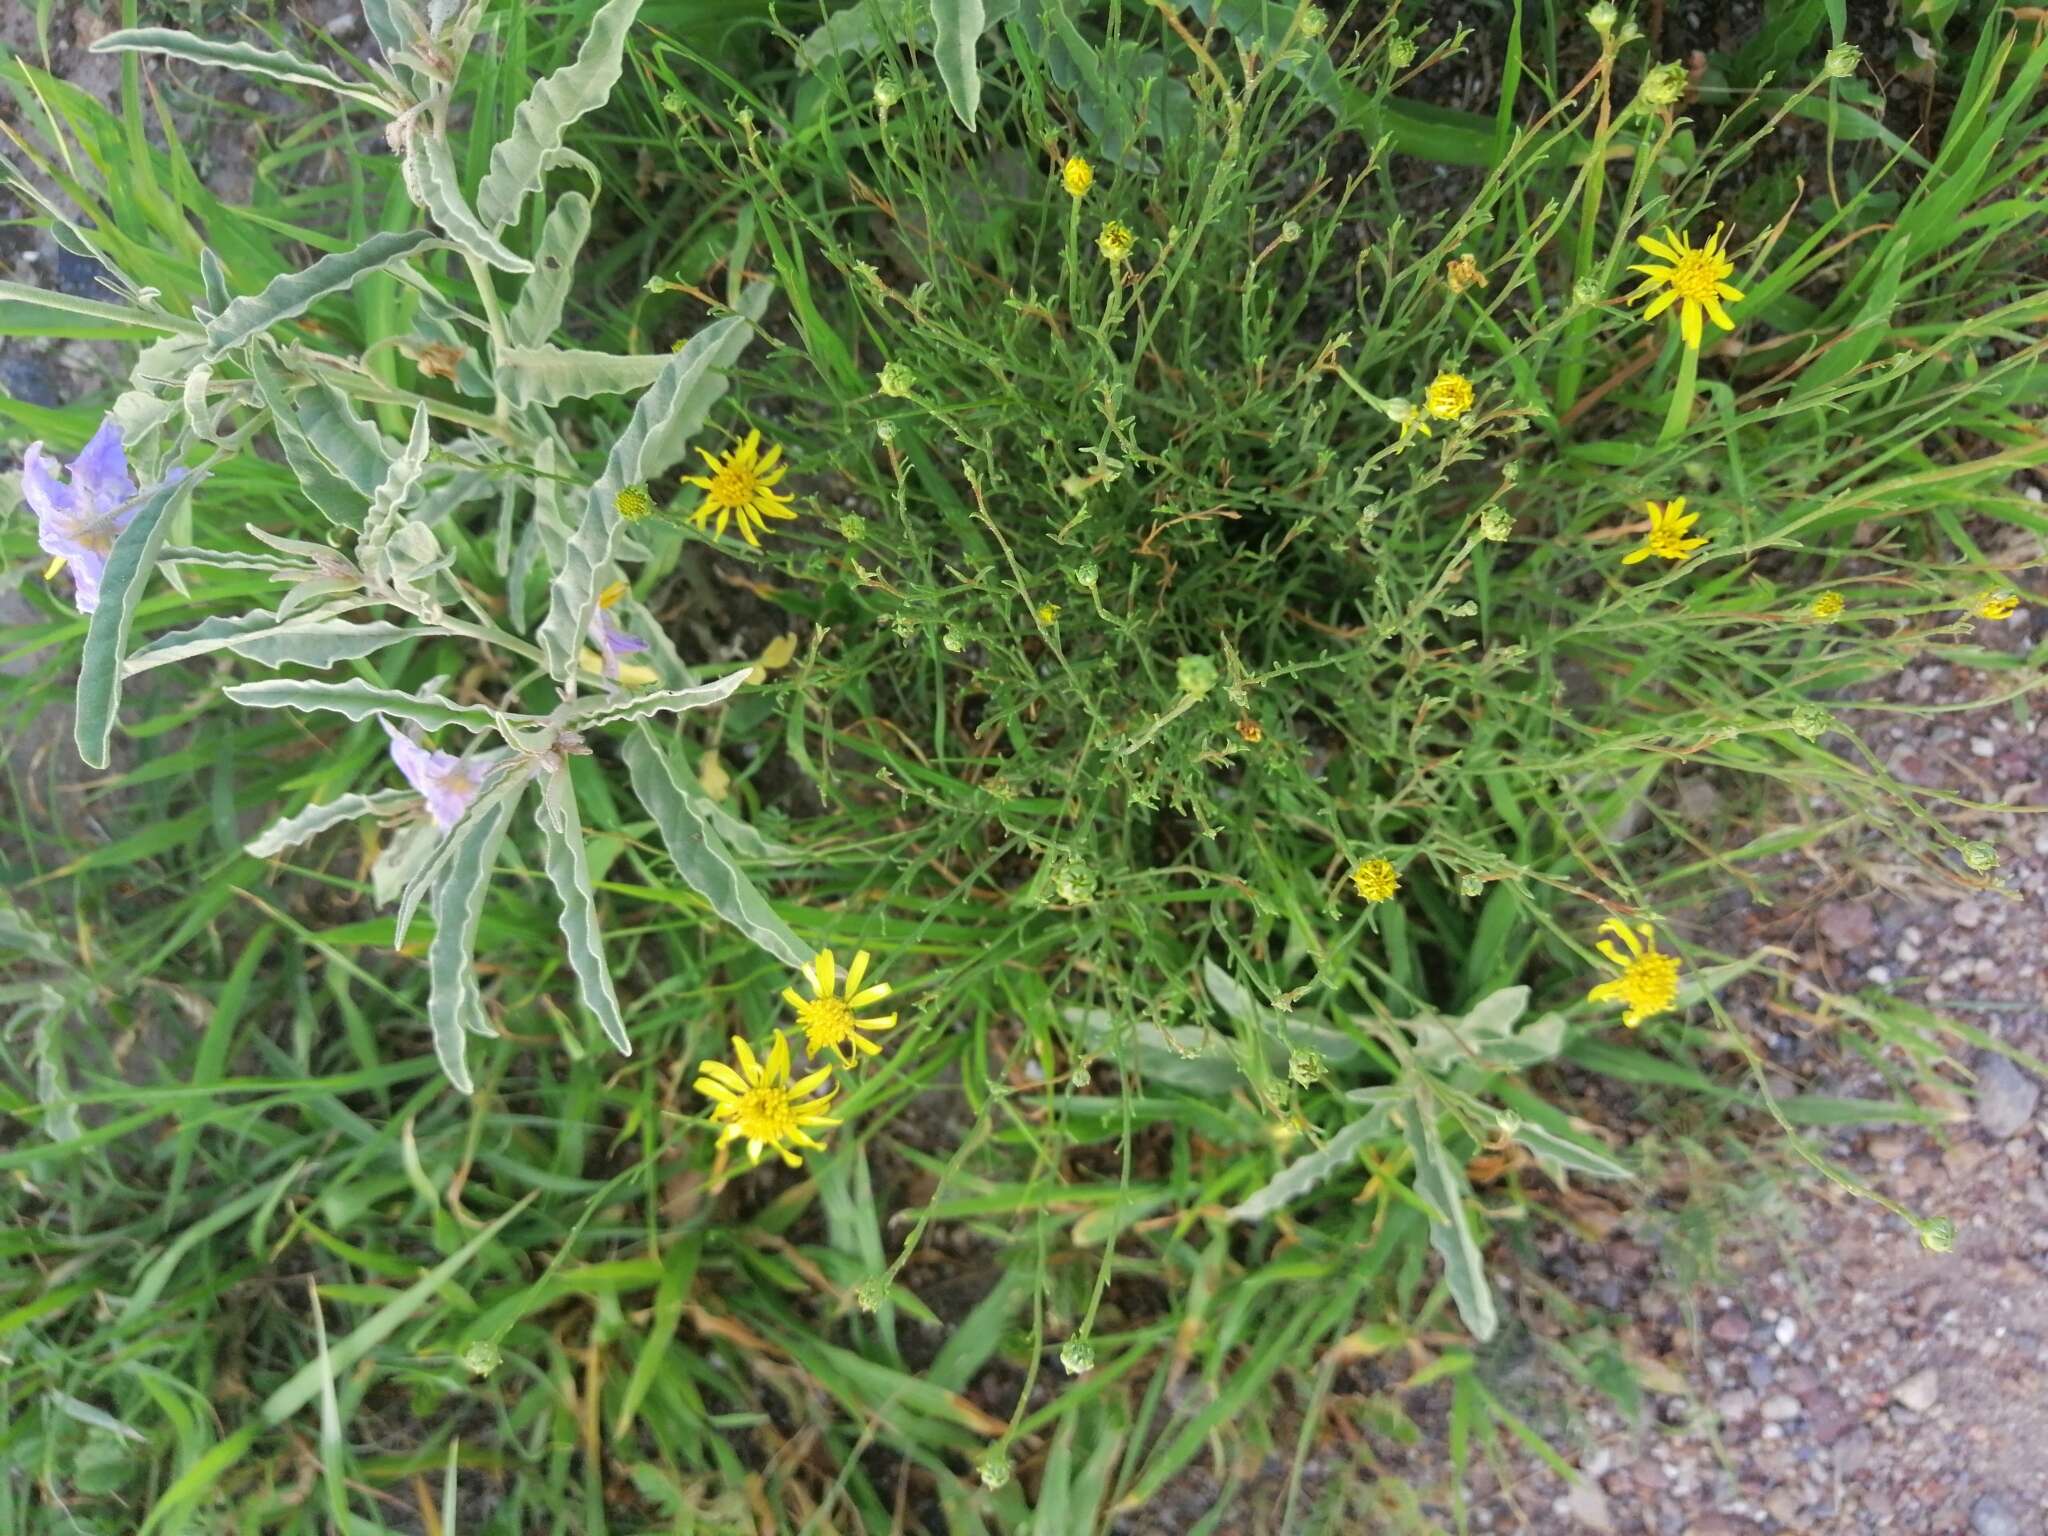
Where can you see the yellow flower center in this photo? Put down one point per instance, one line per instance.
(1376, 880)
(1449, 397)
(1650, 984)
(826, 1022)
(733, 486)
(763, 1113)
(1667, 542)
(1695, 275)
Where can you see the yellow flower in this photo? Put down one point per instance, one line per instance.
(828, 1020)
(1666, 538)
(1827, 607)
(633, 503)
(1462, 273)
(1410, 420)
(1449, 396)
(1376, 880)
(757, 1101)
(1116, 241)
(1078, 175)
(1998, 603)
(741, 487)
(1692, 276)
(1048, 613)
(1648, 983)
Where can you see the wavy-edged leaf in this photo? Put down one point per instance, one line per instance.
(338, 500)
(500, 793)
(304, 826)
(359, 700)
(400, 861)
(537, 313)
(19, 934)
(1554, 1151)
(546, 376)
(1441, 1182)
(568, 869)
(357, 450)
(455, 1004)
(128, 570)
(245, 58)
(1179, 1055)
(957, 26)
(666, 416)
(701, 856)
(629, 708)
(862, 28)
(430, 175)
(292, 294)
(317, 639)
(1310, 1171)
(520, 162)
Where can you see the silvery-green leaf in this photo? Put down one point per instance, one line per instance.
(106, 637)
(359, 700)
(500, 793)
(50, 1015)
(1487, 1038)
(314, 590)
(303, 826)
(431, 174)
(455, 1005)
(245, 58)
(568, 869)
(338, 500)
(317, 555)
(625, 708)
(318, 639)
(213, 277)
(1273, 1032)
(1441, 1182)
(1179, 1055)
(227, 560)
(701, 856)
(290, 295)
(57, 301)
(546, 376)
(862, 28)
(519, 164)
(957, 26)
(664, 418)
(396, 553)
(537, 313)
(17, 933)
(1554, 1151)
(722, 343)
(1312, 1169)
(401, 860)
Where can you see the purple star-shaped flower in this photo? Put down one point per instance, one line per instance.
(612, 642)
(447, 783)
(78, 522)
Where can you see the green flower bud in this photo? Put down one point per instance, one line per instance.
(1843, 60)
(482, 1357)
(1495, 524)
(896, 381)
(1078, 1356)
(1664, 86)
(1938, 1235)
(1306, 1066)
(994, 1469)
(1811, 722)
(1195, 675)
(888, 91)
(1401, 52)
(871, 1293)
(1981, 857)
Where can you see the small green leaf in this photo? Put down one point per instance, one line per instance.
(317, 639)
(106, 637)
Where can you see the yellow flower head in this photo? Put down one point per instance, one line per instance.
(1666, 538)
(1694, 277)
(1376, 880)
(1449, 396)
(827, 1017)
(1078, 175)
(741, 487)
(1648, 983)
(1116, 241)
(1463, 272)
(633, 503)
(1048, 613)
(756, 1101)
(1827, 607)
(1998, 603)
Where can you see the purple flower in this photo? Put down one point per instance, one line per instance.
(447, 782)
(77, 523)
(611, 641)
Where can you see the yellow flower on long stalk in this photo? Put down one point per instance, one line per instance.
(1077, 176)
(1667, 536)
(1827, 607)
(1694, 277)
(1998, 603)
(1648, 983)
(741, 487)
(1449, 396)
(757, 1102)
(1376, 880)
(1116, 242)
(828, 1018)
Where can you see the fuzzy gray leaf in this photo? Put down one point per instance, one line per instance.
(455, 1005)
(304, 826)
(291, 295)
(568, 869)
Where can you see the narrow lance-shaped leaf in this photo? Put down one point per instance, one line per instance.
(431, 174)
(319, 480)
(700, 854)
(1441, 1182)
(568, 867)
(625, 708)
(291, 295)
(1309, 1171)
(957, 26)
(680, 395)
(537, 313)
(455, 1005)
(317, 639)
(546, 376)
(520, 162)
(304, 826)
(246, 58)
(359, 700)
(106, 638)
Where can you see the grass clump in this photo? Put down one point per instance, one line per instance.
(1252, 608)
